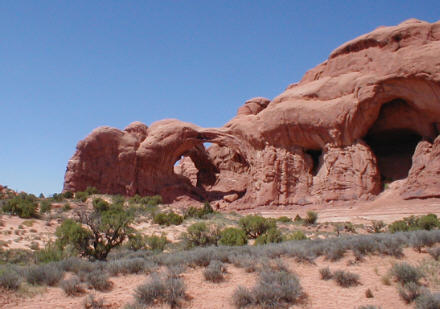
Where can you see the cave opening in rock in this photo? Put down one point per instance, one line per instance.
(393, 139)
(315, 155)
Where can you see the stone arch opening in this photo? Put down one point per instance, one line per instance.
(196, 165)
(393, 138)
(316, 159)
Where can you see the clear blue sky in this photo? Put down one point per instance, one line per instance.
(67, 67)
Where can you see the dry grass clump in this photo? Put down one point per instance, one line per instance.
(410, 291)
(99, 280)
(242, 297)
(169, 289)
(72, 286)
(275, 289)
(325, 273)
(129, 266)
(91, 302)
(48, 274)
(405, 273)
(428, 301)
(215, 271)
(369, 293)
(9, 279)
(434, 252)
(343, 278)
(346, 279)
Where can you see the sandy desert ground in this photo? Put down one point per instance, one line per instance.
(203, 294)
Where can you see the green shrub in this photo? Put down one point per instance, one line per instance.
(50, 253)
(100, 205)
(345, 278)
(284, 219)
(428, 222)
(412, 223)
(136, 241)
(232, 236)
(405, 273)
(272, 235)
(254, 225)
(91, 191)
(398, 226)
(170, 218)
(72, 233)
(45, 206)
(157, 243)
(57, 197)
(207, 208)
(81, 196)
(296, 235)
(23, 205)
(118, 200)
(68, 194)
(199, 213)
(154, 200)
(311, 218)
(201, 234)
(146, 200)
(106, 230)
(67, 207)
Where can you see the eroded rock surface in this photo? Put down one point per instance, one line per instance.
(424, 176)
(349, 126)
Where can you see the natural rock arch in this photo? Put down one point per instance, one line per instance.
(324, 138)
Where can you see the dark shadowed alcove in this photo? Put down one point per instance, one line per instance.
(393, 139)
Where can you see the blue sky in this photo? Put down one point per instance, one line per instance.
(67, 67)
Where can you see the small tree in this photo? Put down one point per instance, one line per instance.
(24, 205)
(254, 225)
(232, 236)
(96, 233)
(200, 234)
(272, 235)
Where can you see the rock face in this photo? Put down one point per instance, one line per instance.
(424, 176)
(364, 117)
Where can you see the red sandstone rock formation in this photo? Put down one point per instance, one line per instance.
(350, 124)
